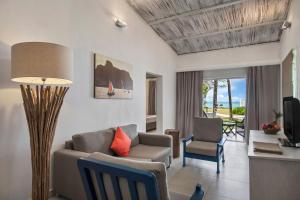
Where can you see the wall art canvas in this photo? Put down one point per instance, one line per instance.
(112, 78)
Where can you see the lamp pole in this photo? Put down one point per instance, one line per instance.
(42, 106)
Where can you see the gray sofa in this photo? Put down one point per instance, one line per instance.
(144, 147)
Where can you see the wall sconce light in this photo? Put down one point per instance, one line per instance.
(286, 25)
(120, 23)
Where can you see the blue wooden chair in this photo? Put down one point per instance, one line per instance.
(207, 142)
(115, 171)
(240, 127)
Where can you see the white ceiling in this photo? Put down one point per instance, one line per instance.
(190, 26)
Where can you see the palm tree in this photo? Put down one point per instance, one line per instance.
(205, 90)
(229, 98)
(215, 97)
(213, 84)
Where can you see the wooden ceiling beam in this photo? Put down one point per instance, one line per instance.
(196, 12)
(223, 31)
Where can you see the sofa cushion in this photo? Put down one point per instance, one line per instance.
(131, 131)
(121, 143)
(203, 148)
(98, 141)
(139, 159)
(158, 169)
(155, 153)
(69, 144)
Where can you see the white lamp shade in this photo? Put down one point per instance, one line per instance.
(41, 63)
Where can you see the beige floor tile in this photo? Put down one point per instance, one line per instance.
(186, 179)
(230, 189)
(231, 184)
(215, 197)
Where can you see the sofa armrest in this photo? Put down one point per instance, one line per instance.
(156, 140)
(66, 177)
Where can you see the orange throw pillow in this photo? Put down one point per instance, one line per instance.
(121, 143)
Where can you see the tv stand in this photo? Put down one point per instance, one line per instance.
(286, 143)
(272, 176)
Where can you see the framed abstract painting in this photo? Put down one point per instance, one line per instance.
(112, 78)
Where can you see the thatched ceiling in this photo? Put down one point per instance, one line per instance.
(202, 25)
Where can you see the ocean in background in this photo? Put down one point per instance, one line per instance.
(209, 104)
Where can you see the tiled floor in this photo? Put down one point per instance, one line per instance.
(235, 138)
(231, 184)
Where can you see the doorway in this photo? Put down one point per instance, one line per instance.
(153, 103)
(226, 99)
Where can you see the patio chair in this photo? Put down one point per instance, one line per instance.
(204, 114)
(108, 179)
(207, 142)
(240, 127)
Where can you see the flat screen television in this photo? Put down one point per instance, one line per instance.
(291, 120)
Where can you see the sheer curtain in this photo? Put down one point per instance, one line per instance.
(263, 96)
(188, 100)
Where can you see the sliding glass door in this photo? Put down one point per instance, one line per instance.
(225, 98)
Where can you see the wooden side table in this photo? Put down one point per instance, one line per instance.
(176, 141)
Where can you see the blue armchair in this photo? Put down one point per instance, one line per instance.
(106, 179)
(207, 142)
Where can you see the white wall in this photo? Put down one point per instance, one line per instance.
(264, 54)
(291, 37)
(86, 27)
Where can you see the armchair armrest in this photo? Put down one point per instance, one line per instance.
(188, 138)
(155, 140)
(198, 194)
(222, 142)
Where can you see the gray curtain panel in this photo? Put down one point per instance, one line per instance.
(188, 100)
(152, 98)
(263, 96)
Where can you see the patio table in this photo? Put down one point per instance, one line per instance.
(229, 127)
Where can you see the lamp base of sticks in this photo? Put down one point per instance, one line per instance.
(42, 105)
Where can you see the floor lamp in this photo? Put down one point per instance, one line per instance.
(44, 71)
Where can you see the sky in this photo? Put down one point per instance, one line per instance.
(238, 91)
